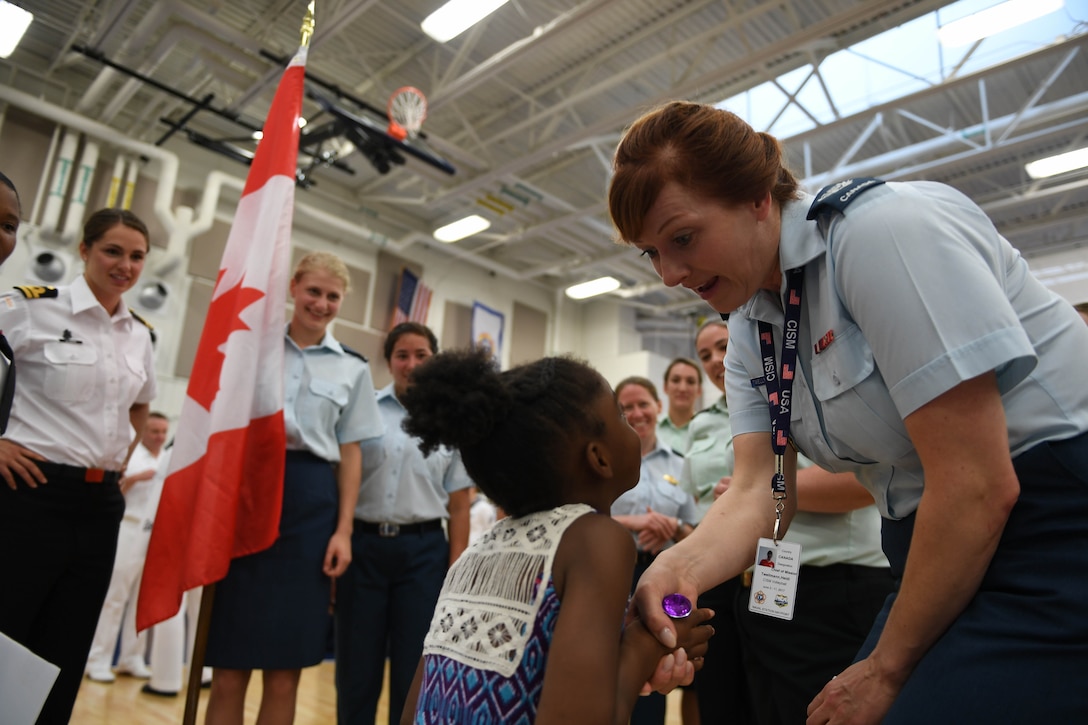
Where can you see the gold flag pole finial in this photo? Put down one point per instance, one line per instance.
(308, 25)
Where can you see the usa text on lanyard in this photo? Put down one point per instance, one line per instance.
(780, 384)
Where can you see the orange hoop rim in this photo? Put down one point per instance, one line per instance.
(407, 108)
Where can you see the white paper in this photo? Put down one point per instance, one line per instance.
(25, 681)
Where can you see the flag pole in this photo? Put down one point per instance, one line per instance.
(200, 643)
(196, 662)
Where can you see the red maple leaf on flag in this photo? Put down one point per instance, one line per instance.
(224, 317)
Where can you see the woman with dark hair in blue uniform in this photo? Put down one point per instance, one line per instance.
(401, 550)
(85, 379)
(271, 612)
(886, 329)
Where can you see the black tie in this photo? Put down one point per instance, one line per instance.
(8, 392)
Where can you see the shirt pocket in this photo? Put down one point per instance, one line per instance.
(859, 416)
(136, 377)
(323, 404)
(71, 373)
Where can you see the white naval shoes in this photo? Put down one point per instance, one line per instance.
(134, 668)
(100, 674)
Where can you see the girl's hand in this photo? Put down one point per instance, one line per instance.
(18, 461)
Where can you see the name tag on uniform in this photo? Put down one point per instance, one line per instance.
(774, 579)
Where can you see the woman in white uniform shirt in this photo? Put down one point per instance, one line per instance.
(85, 378)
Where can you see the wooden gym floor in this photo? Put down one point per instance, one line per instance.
(122, 703)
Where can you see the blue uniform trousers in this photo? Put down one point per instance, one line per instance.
(385, 602)
(1019, 652)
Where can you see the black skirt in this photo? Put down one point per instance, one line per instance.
(271, 611)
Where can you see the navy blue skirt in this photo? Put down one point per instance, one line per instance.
(271, 612)
(1019, 652)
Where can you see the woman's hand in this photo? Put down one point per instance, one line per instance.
(337, 554)
(18, 461)
(722, 486)
(860, 695)
(658, 531)
(654, 584)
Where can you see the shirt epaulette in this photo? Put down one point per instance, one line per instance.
(708, 409)
(837, 196)
(145, 323)
(36, 291)
(357, 354)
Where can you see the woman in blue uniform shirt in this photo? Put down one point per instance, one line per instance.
(656, 511)
(929, 362)
(271, 612)
(401, 551)
(85, 379)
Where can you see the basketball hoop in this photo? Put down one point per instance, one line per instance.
(407, 108)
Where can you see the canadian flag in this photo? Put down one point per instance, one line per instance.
(224, 489)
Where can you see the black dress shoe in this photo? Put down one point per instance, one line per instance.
(161, 693)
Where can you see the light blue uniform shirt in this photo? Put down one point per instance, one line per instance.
(843, 538)
(328, 398)
(400, 485)
(921, 293)
(657, 491)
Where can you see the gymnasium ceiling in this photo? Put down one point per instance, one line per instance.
(528, 106)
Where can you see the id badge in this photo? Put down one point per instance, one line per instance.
(774, 579)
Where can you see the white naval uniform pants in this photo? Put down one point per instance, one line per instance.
(119, 610)
(172, 644)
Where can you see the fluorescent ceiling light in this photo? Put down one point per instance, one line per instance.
(592, 288)
(457, 16)
(461, 228)
(994, 20)
(1054, 165)
(13, 23)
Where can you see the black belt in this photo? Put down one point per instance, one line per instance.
(388, 530)
(63, 471)
(644, 558)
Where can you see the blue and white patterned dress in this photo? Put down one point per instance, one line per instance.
(487, 648)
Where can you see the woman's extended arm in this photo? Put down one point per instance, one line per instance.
(349, 473)
(723, 544)
(970, 489)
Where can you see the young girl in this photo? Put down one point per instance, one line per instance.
(528, 626)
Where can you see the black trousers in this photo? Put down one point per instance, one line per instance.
(720, 685)
(788, 662)
(57, 542)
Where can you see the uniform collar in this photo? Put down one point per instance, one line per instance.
(800, 242)
(387, 393)
(83, 299)
(328, 342)
(658, 449)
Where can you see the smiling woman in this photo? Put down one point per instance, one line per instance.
(86, 376)
(328, 408)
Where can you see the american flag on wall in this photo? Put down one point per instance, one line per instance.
(413, 299)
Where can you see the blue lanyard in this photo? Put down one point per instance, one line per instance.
(780, 383)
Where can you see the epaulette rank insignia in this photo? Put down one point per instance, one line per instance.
(836, 197)
(145, 323)
(355, 353)
(36, 291)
